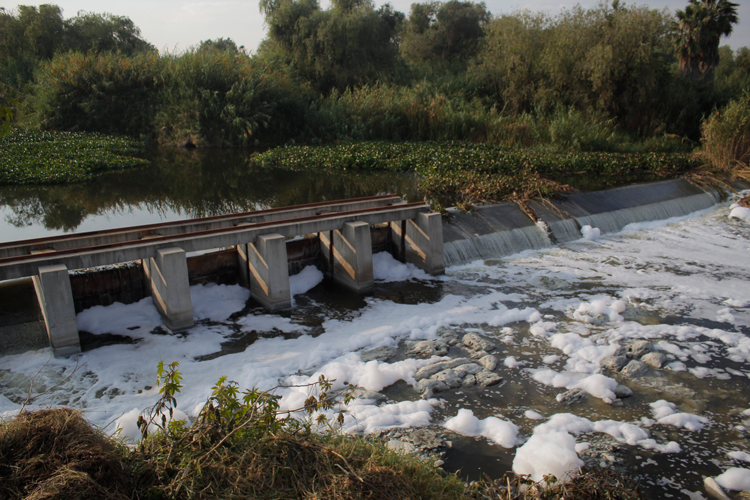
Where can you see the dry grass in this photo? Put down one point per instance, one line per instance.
(726, 138)
(589, 485)
(57, 454)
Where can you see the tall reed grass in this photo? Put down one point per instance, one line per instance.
(726, 138)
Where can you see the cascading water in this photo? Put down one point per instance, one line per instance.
(504, 229)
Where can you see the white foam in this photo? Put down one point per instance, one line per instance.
(739, 455)
(741, 213)
(591, 233)
(551, 453)
(305, 280)
(735, 479)
(386, 268)
(496, 430)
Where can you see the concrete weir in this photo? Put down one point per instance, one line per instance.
(252, 249)
(504, 229)
(260, 250)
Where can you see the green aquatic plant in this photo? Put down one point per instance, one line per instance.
(63, 157)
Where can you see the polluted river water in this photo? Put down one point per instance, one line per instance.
(628, 350)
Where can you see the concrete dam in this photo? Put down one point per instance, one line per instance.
(260, 250)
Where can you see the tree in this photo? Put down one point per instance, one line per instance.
(440, 34)
(220, 45)
(348, 45)
(6, 113)
(700, 27)
(104, 33)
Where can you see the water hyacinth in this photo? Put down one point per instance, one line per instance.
(454, 172)
(63, 157)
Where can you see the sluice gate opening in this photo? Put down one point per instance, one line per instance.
(258, 250)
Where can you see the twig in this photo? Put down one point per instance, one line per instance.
(78, 367)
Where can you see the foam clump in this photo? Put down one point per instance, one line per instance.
(386, 268)
(217, 302)
(736, 479)
(305, 280)
(548, 453)
(496, 430)
(741, 213)
(666, 413)
(591, 233)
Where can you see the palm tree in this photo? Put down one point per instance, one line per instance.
(700, 27)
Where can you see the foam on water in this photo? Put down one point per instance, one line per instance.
(553, 315)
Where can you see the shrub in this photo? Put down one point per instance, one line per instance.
(726, 137)
(106, 93)
(221, 98)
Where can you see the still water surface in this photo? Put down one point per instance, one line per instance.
(180, 184)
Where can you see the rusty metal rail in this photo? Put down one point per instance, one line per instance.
(242, 230)
(164, 229)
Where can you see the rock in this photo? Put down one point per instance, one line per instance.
(489, 361)
(713, 489)
(634, 369)
(487, 378)
(425, 439)
(469, 381)
(475, 343)
(639, 348)
(623, 391)
(379, 354)
(478, 354)
(450, 378)
(430, 370)
(654, 359)
(614, 363)
(360, 393)
(572, 396)
(399, 446)
(428, 387)
(471, 368)
(428, 348)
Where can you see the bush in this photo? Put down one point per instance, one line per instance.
(726, 138)
(393, 113)
(221, 98)
(106, 93)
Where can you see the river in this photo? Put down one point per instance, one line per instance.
(549, 317)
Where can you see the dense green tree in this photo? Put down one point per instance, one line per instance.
(700, 27)
(609, 61)
(443, 34)
(104, 33)
(34, 34)
(347, 45)
(6, 113)
(220, 45)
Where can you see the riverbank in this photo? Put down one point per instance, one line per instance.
(81, 462)
(549, 317)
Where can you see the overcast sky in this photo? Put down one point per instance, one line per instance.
(175, 25)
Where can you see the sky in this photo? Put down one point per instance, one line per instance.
(175, 25)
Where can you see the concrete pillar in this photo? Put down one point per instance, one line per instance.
(420, 241)
(352, 256)
(267, 271)
(52, 286)
(167, 274)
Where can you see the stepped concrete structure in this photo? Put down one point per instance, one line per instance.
(343, 229)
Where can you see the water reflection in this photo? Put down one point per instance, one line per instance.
(182, 184)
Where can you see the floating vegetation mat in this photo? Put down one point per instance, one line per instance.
(63, 157)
